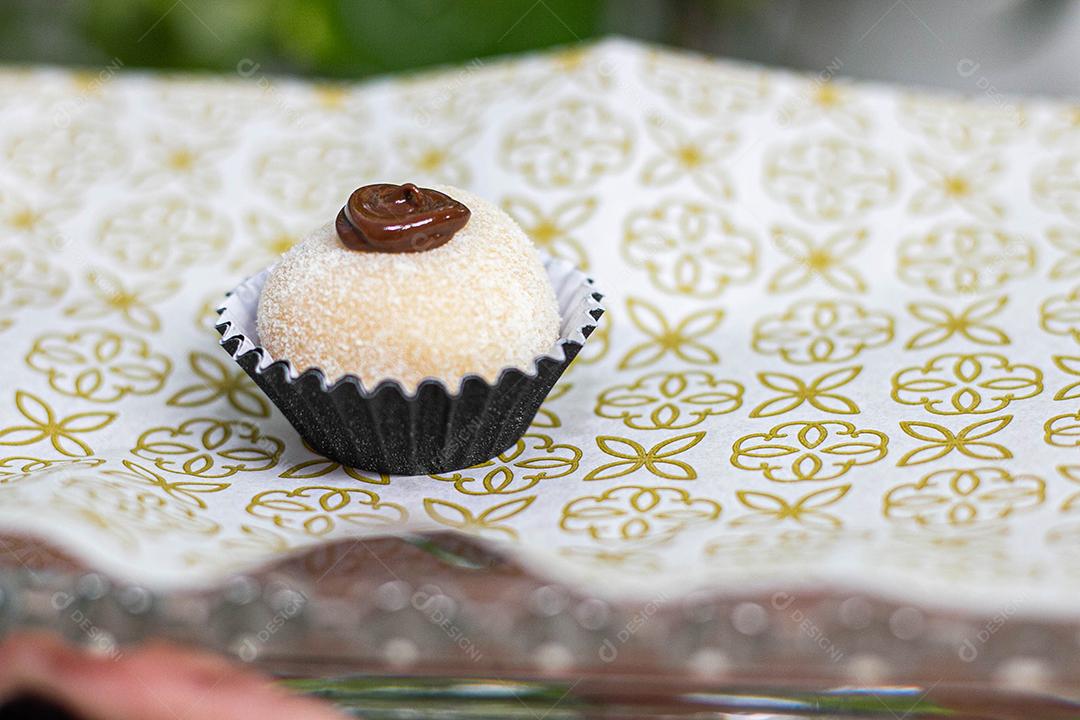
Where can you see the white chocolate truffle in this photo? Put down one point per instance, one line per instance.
(477, 304)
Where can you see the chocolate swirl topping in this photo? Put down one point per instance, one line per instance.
(399, 218)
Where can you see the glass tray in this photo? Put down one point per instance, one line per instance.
(439, 626)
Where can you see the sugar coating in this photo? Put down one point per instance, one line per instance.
(477, 304)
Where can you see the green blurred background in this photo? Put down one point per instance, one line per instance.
(1020, 46)
(333, 38)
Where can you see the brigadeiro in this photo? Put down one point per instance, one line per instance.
(418, 332)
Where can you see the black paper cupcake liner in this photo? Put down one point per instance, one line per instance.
(434, 429)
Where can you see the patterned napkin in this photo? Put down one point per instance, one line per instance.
(842, 346)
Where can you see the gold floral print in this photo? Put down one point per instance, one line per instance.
(568, 145)
(126, 512)
(1065, 540)
(490, 522)
(669, 400)
(1063, 430)
(1056, 185)
(962, 126)
(214, 381)
(213, 103)
(189, 492)
(27, 281)
(976, 553)
(270, 236)
(1060, 314)
(321, 467)
(66, 160)
(314, 177)
(684, 340)
(613, 559)
(1002, 197)
(699, 157)
(971, 441)
(209, 448)
(690, 248)
(961, 497)
(206, 315)
(319, 510)
(762, 552)
(700, 87)
(43, 423)
(830, 179)
(819, 393)
(235, 552)
(599, 344)
(98, 365)
(534, 457)
(133, 303)
(1063, 126)
(253, 540)
(20, 467)
(32, 224)
(1067, 240)
(804, 451)
(835, 102)
(636, 515)
(659, 460)
(964, 552)
(335, 101)
(187, 232)
(545, 417)
(580, 65)
(822, 331)
(457, 97)
(961, 184)
(827, 260)
(808, 511)
(971, 323)
(966, 384)
(437, 159)
(554, 231)
(977, 540)
(573, 59)
(1068, 472)
(59, 97)
(1069, 365)
(964, 259)
(175, 159)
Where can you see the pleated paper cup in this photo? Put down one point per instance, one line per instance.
(431, 429)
